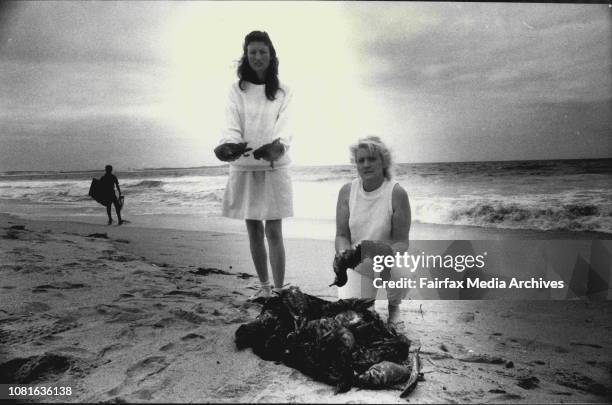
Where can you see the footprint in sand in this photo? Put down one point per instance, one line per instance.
(575, 380)
(140, 371)
(62, 285)
(143, 394)
(111, 349)
(36, 368)
(126, 333)
(36, 307)
(535, 345)
(121, 314)
(119, 258)
(233, 390)
(98, 235)
(183, 293)
(34, 268)
(592, 345)
(509, 397)
(224, 315)
(466, 317)
(189, 343)
(8, 267)
(30, 334)
(188, 316)
(147, 367)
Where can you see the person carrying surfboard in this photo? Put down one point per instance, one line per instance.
(108, 183)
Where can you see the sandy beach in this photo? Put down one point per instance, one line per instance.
(148, 315)
(494, 118)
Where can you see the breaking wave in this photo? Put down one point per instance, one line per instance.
(538, 195)
(146, 184)
(498, 214)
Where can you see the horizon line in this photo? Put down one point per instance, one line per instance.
(129, 170)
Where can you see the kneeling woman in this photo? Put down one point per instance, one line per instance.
(372, 211)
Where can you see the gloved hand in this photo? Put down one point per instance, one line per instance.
(228, 152)
(271, 151)
(344, 260)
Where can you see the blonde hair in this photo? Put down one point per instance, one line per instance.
(375, 145)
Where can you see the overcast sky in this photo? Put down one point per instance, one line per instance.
(143, 84)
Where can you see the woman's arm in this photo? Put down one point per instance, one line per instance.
(233, 131)
(343, 233)
(282, 128)
(401, 220)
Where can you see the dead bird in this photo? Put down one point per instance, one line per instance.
(393, 349)
(349, 259)
(271, 151)
(384, 374)
(273, 323)
(281, 314)
(332, 342)
(228, 152)
(415, 373)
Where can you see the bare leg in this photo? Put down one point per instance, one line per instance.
(118, 211)
(394, 312)
(395, 297)
(108, 212)
(274, 235)
(255, 230)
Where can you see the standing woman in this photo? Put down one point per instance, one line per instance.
(373, 211)
(259, 186)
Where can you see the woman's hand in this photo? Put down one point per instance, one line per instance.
(344, 260)
(270, 152)
(228, 152)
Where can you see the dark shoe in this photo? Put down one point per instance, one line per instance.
(110, 221)
(120, 221)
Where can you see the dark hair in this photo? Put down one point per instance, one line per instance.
(245, 73)
(108, 168)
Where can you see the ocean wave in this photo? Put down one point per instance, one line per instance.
(146, 184)
(191, 199)
(551, 195)
(214, 196)
(564, 217)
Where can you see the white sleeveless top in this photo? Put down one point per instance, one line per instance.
(370, 215)
(370, 212)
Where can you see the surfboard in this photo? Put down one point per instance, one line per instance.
(97, 193)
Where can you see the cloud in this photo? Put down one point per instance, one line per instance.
(439, 81)
(511, 52)
(36, 90)
(90, 31)
(90, 142)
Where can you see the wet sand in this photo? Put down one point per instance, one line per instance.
(148, 315)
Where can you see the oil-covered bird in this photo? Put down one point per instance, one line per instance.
(229, 152)
(271, 151)
(349, 259)
(343, 343)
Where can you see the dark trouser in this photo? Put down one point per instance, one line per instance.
(115, 202)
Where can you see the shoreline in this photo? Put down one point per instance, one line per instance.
(292, 227)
